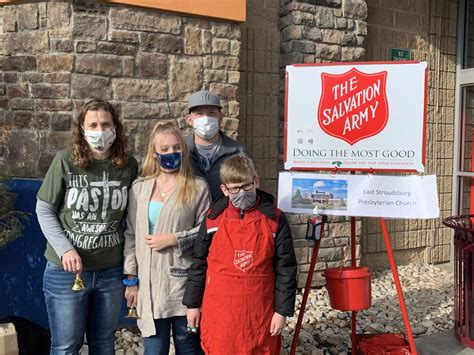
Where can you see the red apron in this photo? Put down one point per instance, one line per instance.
(238, 301)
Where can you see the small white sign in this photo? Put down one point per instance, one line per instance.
(359, 195)
(355, 116)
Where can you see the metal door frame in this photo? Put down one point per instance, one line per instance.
(464, 77)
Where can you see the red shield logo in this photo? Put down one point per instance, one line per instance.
(243, 260)
(353, 105)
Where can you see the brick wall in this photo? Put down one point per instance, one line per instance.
(147, 62)
(428, 29)
(259, 89)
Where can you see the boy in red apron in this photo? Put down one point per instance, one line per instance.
(243, 276)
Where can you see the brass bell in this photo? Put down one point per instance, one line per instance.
(78, 283)
(132, 313)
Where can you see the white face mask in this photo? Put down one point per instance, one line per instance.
(206, 127)
(100, 140)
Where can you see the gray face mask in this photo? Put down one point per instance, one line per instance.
(244, 199)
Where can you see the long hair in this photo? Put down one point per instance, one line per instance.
(81, 154)
(151, 167)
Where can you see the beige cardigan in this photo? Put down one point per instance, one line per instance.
(165, 270)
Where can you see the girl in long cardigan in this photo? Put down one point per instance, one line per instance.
(166, 206)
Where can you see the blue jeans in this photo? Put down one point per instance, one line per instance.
(94, 310)
(184, 343)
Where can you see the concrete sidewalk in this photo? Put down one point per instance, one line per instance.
(441, 344)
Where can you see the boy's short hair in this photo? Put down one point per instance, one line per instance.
(237, 169)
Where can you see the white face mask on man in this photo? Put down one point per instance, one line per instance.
(206, 127)
(100, 140)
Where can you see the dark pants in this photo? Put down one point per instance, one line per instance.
(184, 342)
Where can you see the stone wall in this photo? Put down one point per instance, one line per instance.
(428, 29)
(53, 55)
(322, 31)
(317, 32)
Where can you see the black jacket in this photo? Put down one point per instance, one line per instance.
(284, 260)
(228, 148)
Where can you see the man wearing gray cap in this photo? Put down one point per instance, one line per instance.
(208, 146)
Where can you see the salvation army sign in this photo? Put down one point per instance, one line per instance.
(353, 105)
(359, 116)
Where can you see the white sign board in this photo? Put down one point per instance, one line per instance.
(359, 195)
(359, 116)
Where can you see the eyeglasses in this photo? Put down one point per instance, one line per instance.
(246, 187)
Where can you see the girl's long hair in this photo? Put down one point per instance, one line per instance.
(81, 154)
(151, 167)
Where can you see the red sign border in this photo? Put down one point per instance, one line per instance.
(335, 168)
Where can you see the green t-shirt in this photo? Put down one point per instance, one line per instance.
(91, 205)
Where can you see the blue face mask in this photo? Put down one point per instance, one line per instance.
(169, 161)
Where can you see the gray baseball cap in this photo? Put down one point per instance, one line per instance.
(203, 98)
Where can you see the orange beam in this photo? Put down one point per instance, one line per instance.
(233, 10)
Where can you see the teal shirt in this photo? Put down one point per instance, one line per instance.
(154, 209)
(91, 205)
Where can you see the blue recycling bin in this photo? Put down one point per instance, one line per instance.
(22, 263)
